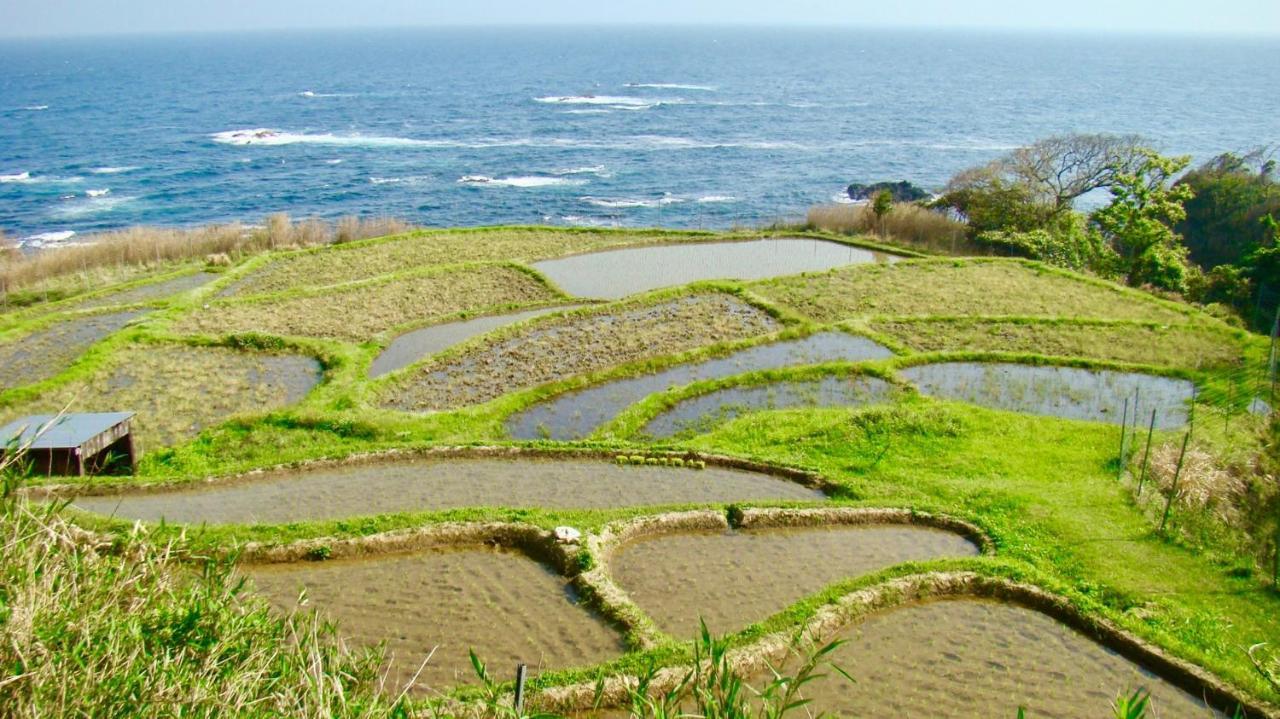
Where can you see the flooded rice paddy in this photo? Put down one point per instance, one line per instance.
(578, 414)
(47, 352)
(434, 484)
(559, 348)
(413, 346)
(507, 607)
(970, 658)
(699, 414)
(731, 579)
(1066, 392)
(154, 291)
(612, 274)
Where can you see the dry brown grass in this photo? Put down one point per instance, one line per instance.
(905, 224)
(1204, 483)
(361, 312)
(123, 254)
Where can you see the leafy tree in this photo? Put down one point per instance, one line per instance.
(1138, 224)
(993, 202)
(1233, 194)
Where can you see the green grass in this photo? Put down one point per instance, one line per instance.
(364, 311)
(962, 288)
(1178, 345)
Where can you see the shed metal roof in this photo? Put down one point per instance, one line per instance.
(70, 430)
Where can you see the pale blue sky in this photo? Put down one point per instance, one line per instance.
(74, 17)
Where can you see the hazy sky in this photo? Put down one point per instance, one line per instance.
(74, 17)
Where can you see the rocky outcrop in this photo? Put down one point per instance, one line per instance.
(902, 191)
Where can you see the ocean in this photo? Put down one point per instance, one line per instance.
(709, 127)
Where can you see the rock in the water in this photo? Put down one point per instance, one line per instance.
(902, 191)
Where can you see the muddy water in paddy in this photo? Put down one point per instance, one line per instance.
(1067, 392)
(44, 353)
(578, 414)
(154, 291)
(413, 346)
(699, 414)
(733, 579)
(970, 658)
(612, 274)
(507, 607)
(409, 486)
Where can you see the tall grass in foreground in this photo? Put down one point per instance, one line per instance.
(906, 224)
(104, 255)
(89, 629)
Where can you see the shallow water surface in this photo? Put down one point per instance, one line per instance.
(612, 274)
(507, 607)
(420, 485)
(1067, 392)
(413, 346)
(731, 579)
(154, 291)
(578, 414)
(698, 414)
(969, 658)
(47, 352)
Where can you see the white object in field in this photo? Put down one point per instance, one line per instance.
(567, 534)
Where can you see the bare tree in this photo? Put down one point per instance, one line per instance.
(1064, 167)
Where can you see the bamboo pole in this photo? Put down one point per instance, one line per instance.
(1146, 454)
(1177, 473)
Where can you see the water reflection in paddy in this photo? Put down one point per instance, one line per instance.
(970, 658)
(507, 607)
(413, 346)
(1066, 392)
(731, 579)
(612, 274)
(578, 414)
(420, 485)
(697, 414)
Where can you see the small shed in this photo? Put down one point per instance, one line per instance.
(73, 444)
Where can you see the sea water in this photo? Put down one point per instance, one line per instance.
(706, 127)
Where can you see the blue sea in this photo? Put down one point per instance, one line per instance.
(575, 126)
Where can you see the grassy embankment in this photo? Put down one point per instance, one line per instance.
(1044, 489)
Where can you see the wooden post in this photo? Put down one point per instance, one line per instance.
(1146, 454)
(1173, 490)
(521, 669)
(1124, 431)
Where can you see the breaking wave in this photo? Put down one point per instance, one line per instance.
(528, 181)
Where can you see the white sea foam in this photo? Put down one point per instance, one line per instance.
(397, 180)
(590, 111)
(335, 161)
(597, 170)
(528, 181)
(716, 199)
(91, 206)
(35, 108)
(844, 199)
(617, 100)
(268, 136)
(313, 93)
(98, 193)
(43, 239)
(114, 170)
(673, 86)
(627, 203)
(19, 177)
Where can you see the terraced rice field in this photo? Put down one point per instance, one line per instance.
(359, 313)
(578, 344)
(178, 390)
(617, 273)
(47, 352)
(435, 484)
(153, 291)
(698, 414)
(437, 605)
(1066, 392)
(413, 346)
(968, 658)
(732, 579)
